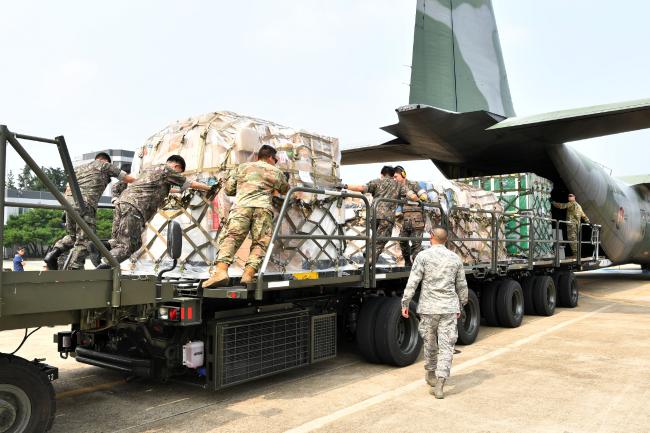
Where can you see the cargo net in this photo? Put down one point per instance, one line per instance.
(522, 196)
(445, 195)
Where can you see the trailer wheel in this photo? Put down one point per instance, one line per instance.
(489, 303)
(567, 290)
(470, 320)
(510, 304)
(397, 339)
(366, 329)
(544, 295)
(27, 402)
(527, 287)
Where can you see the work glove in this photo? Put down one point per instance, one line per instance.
(214, 189)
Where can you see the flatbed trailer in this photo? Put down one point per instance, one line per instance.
(163, 327)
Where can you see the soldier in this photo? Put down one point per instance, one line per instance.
(140, 201)
(93, 179)
(443, 295)
(574, 215)
(254, 183)
(413, 218)
(384, 187)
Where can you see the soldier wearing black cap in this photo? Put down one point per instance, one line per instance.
(384, 187)
(413, 222)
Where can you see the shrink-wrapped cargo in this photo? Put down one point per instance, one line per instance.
(522, 195)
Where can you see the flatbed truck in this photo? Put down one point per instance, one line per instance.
(160, 327)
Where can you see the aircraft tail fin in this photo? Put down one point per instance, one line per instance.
(457, 62)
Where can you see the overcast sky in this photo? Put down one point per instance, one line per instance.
(110, 74)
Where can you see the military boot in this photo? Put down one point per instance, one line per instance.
(51, 259)
(430, 377)
(248, 275)
(219, 276)
(437, 390)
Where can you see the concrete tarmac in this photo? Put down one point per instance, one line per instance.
(582, 370)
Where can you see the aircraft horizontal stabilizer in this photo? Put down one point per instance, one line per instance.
(394, 150)
(581, 123)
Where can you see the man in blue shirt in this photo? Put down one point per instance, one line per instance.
(18, 260)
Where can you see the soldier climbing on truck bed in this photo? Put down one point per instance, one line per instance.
(575, 215)
(384, 187)
(93, 179)
(254, 183)
(140, 201)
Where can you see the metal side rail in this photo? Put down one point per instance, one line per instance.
(312, 278)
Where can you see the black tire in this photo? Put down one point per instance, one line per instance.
(470, 320)
(26, 396)
(544, 295)
(397, 339)
(366, 329)
(567, 290)
(489, 303)
(510, 304)
(527, 288)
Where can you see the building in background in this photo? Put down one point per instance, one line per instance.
(120, 157)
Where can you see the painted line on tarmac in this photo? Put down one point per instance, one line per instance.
(321, 422)
(88, 389)
(166, 404)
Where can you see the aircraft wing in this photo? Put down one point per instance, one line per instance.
(581, 123)
(485, 143)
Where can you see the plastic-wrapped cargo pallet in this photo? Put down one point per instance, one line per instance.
(521, 194)
(462, 224)
(212, 145)
(215, 143)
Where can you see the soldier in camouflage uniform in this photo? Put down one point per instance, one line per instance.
(384, 187)
(93, 179)
(574, 215)
(141, 200)
(413, 218)
(254, 183)
(116, 191)
(444, 293)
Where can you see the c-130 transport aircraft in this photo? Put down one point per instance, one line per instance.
(461, 117)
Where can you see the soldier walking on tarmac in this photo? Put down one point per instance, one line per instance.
(574, 215)
(384, 187)
(413, 219)
(254, 183)
(141, 200)
(444, 293)
(93, 179)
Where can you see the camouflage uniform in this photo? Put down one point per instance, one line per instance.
(412, 226)
(444, 292)
(93, 179)
(137, 204)
(254, 184)
(574, 214)
(116, 190)
(385, 187)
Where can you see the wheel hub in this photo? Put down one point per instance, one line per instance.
(15, 409)
(7, 415)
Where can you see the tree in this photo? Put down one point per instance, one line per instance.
(27, 180)
(37, 229)
(11, 181)
(55, 174)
